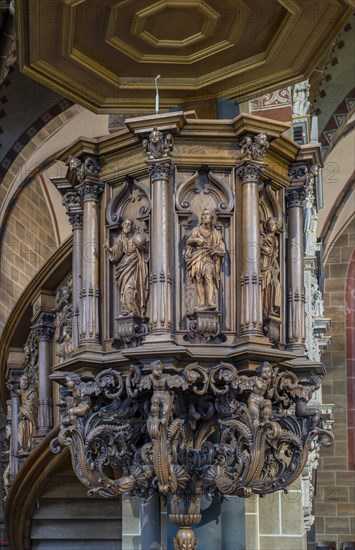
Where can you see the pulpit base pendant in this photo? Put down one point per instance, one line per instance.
(185, 539)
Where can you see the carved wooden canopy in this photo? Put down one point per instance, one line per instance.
(104, 54)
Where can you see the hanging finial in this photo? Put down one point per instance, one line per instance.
(156, 95)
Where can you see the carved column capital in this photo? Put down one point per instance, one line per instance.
(301, 174)
(160, 170)
(91, 191)
(13, 383)
(295, 196)
(76, 220)
(250, 171)
(44, 327)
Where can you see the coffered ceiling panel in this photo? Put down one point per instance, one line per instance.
(105, 54)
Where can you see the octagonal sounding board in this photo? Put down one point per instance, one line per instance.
(105, 54)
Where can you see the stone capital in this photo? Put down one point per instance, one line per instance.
(91, 191)
(160, 170)
(295, 196)
(44, 327)
(250, 171)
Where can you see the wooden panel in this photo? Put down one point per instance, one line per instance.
(76, 529)
(78, 508)
(77, 545)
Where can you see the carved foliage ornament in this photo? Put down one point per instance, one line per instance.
(144, 432)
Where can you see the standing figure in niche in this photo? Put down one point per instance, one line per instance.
(270, 269)
(27, 414)
(203, 258)
(130, 253)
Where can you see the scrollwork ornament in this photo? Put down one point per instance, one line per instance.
(155, 427)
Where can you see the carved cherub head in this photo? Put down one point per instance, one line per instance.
(72, 380)
(157, 369)
(264, 371)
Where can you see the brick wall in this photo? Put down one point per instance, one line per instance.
(27, 241)
(335, 508)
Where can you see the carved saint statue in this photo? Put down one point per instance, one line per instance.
(204, 254)
(130, 254)
(270, 269)
(27, 413)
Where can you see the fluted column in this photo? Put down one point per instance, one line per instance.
(44, 330)
(90, 329)
(71, 201)
(295, 196)
(161, 169)
(251, 320)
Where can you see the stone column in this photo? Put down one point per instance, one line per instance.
(295, 326)
(90, 293)
(71, 200)
(44, 330)
(13, 387)
(251, 321)
(158, 148)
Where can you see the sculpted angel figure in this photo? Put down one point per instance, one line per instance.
(204, 254)
(130, 254)
(259, 401)
(270, 269)
(256, 149)
(78, 398)
(161, 383)
(302, 394)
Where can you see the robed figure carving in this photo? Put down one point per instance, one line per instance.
(204, 254)
(270, 268)
(27, 413)
(130, 254)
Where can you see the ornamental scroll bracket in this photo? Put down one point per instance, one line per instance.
(139, 424)
(131, 191)
(204, 182)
